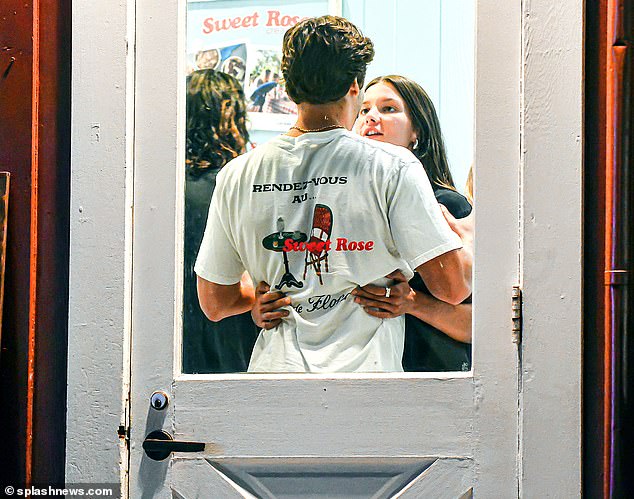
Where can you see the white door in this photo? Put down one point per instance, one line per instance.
(410, 435)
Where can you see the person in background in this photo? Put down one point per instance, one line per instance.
(265, 78)
(259, 94)
(277, 100)
(216, 133)
(437, 334)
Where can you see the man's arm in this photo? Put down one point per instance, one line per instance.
(448, 276)
(218, 301)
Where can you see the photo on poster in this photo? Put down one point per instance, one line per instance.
(245, 40)
(230, 59)
(269, 105)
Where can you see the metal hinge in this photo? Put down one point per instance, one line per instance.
(124, 432)
(516, 309)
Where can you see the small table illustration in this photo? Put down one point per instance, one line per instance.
(275, 242)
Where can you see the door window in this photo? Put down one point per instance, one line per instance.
(236, 101)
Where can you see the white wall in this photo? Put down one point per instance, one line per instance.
(431, 42)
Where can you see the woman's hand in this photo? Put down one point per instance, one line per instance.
(267, 310)
(374, 302)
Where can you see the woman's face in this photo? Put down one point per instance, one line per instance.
(383, 117)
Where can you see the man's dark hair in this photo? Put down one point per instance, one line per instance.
(321, 58)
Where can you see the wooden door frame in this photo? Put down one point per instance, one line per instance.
(552, 248)
(103, 101)
(101, 210)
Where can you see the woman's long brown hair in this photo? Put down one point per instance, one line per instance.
(430, 149)
(216, 120)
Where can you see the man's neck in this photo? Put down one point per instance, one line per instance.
(318, 116)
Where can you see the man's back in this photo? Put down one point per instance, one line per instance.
(315, 216)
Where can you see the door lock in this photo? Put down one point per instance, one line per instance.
(159, 400)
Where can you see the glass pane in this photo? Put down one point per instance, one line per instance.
(298, 231)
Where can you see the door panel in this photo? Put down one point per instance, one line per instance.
(198, 477)
(444, 479)
(381, 435)
(317, 417)
(375, 478)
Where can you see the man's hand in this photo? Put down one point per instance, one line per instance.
(374, 302)
(267, 310)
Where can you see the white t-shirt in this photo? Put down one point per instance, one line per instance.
(316, 216)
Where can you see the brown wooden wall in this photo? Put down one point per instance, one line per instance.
(594, 475)
(608, 373)
(619, 246)
(35, 37)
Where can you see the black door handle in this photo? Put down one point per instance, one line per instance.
(159, 444)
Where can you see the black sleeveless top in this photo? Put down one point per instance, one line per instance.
(208, 347)
(427, 348)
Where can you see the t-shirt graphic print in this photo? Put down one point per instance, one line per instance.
(316, 248)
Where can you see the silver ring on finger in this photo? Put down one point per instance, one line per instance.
(388, 291)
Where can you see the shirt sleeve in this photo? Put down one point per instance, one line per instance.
(218, 260)
(456, 203)
(418, 226)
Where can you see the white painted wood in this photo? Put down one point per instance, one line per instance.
(445, 479)
(497, 154)
(294, 477)
(552, 248)
(99, 240)
(159, 164)
(194, 478)
(328, 417)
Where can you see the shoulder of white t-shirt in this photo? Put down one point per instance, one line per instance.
(234, 166)
(397, 152)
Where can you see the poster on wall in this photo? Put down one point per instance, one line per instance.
(245, 41)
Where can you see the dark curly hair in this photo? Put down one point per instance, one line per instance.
(321, 57)
(216, 120)
(430, 147)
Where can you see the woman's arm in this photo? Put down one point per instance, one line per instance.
(453, 320)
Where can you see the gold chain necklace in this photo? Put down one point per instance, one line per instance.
(322, 129)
